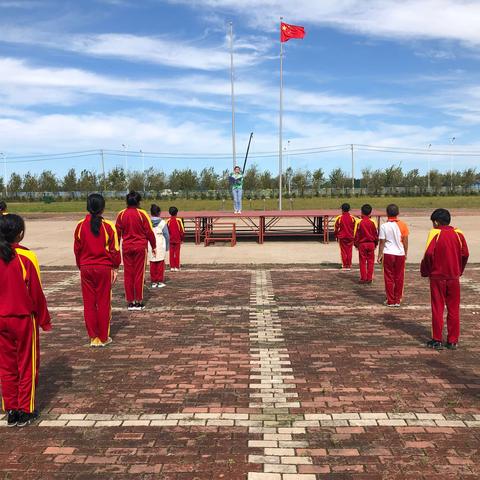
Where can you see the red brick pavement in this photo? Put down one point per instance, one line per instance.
(190, 353)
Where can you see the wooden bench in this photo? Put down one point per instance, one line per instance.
(221, 232)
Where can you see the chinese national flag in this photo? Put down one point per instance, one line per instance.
(290, 31)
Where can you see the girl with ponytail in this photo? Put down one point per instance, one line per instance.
(97, 254)
(23, 309)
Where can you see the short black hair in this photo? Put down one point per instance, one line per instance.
(441, 216)
(173, 211)
(133, 199)
(392, 210)
(345, 207)
(366, 209)
(3, 206)
(155, 210)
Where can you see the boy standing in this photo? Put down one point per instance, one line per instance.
(366, 240)
(135, 229)
(157, 261)
(345, 232)
(444, 262)
(176, 231)
(392, 253)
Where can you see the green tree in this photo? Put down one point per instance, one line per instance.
(469, 177)
(15, 184)
(208, 179)
(338, 178)
(47, 181)
(183, 180)
(87, 181)
(251, 180)
(117, 180)
(318, 179)
(266, 181)
(136, 181)
(69, 182)
(301, 181)
(393, 176)
(30, 183)
(155, 180)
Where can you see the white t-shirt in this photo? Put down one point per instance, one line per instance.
(393, 232)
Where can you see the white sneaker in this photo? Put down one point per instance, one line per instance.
(154, 285)
(160, 285)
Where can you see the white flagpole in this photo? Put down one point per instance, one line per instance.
(232, 78)
(280, 126)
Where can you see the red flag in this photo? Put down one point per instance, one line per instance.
(290, 31)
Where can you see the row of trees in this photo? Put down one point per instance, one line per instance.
(188, 180)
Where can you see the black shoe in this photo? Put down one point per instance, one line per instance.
(435, 344)
(131, 306)
(12, 418)
(25, 419)
(451, 346)
(139, 306)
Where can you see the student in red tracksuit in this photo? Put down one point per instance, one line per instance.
(176, 230)
(23, 309)
(366, 240)
(135, 229)
(345, 232)
(97, 253)
(392, 253)
(444, 262)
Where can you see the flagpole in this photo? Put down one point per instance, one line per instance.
(280, 125)
(232, 78)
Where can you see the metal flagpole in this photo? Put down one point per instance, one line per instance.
(280, 126)
(232, 78)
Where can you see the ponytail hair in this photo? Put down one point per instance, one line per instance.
(96, 206)
(11, 227)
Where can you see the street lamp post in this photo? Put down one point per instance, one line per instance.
(143, 169)
(4, 155)
(126, 164)
(428, 168)
(452, 141)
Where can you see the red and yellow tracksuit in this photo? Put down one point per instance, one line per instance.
(23, 310)
(344, 230)
(96, 258)
(444, 262)
(366, 240)
(135, 229)
(176, 229)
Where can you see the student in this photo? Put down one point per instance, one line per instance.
(135, 229)
(176, 229)
(236, 182)
(97, 253)
(157, 262)
(3, 207)
(366, 240)
(23, 310)
(444, 262)
(345, 232)
(392, 252)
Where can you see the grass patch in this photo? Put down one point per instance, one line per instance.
(467, 202)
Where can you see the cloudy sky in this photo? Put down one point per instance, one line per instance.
(154, 75)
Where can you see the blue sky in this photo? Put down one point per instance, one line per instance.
(154, 75)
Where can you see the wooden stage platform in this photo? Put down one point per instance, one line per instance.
(261, 224)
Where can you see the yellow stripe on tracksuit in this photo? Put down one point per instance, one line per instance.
(34, 364)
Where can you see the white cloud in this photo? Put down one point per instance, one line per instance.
(406, 19)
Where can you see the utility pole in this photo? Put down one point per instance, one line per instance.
(452, 141)
(4, 155)
(353, 170)
(103, 170)
(429, 169)
(143, 170)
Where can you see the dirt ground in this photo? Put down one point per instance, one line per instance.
(51, 238)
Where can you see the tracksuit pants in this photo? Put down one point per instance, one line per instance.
(445, 292)
(175, 255)
(346, 251)
(97, 300)
(157, 271)
(366, 258)
(394, 276)
(19, 362)
(134, 263)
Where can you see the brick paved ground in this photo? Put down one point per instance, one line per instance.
(265, 374)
